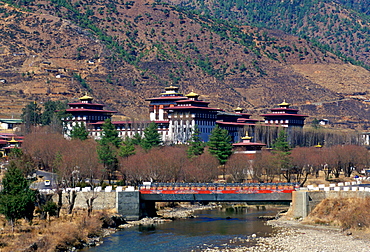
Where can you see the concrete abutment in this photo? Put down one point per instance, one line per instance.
(304, 202)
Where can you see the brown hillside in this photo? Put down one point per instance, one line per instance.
(146, 46)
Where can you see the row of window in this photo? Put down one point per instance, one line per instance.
(205, 122)
(206, 115)
(284, 121)
(90, 118)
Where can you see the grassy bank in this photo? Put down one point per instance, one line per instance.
(56, 234)
(347, 213)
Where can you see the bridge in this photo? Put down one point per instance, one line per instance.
(142, 202)
(212, 192)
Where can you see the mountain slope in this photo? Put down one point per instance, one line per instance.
(341, 26)
(124, 52)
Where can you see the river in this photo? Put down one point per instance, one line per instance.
(209, 229)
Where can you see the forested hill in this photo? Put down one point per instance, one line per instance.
(341, 25)
(122, 52)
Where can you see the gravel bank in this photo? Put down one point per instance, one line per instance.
(292, 236)
(296, 237)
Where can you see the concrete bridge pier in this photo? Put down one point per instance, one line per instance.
(147, 209)
(128, 205)
(300, 204)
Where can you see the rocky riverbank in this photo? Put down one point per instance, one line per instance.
(293, 236)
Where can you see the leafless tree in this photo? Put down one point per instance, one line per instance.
(203, 168)
(238, 167)
(265, 167)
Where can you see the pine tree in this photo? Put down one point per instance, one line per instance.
(151, 137)
(127, 148)
(110, 134)
(281, 142)
(31, 115)
(108, 147)
(196, 145)
(53, 110)
(16, 198)
(220, 144)
(281, 151)
(136, 139)
(79, 132)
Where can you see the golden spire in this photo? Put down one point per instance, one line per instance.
(284, 104)
(246, 137)
(238, 109)
(13, 140)
(192, 94)
(171, 88)
(86, 97)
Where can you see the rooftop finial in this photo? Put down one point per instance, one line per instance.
(246, 137)
(284, 104)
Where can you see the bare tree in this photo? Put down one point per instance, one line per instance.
(43, 147)
(203, 168)
(238, 167)
(302, 164)
(265, 167)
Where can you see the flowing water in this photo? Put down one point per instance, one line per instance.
(210, 229)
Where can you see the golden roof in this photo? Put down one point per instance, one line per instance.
(238, 109)
(284, 104)
(171, 88)
(192, 94)
(86, 97)
(246, 137)
(13, 140)
(318, 145)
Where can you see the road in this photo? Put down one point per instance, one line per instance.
(45, 176)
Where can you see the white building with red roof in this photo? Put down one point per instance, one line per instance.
(247, 147)
(284, 116)
(235, 122)
(86, 112)
(177, 115)
(187, 113)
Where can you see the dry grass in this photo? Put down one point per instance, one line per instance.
(56, 235)
(348, 213)
(313, 180)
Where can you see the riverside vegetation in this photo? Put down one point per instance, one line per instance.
(56, 234)
(143, 159)
(77, 230)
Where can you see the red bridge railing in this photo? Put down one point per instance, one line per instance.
(215, 188)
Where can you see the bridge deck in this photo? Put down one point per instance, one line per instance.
(216, 192)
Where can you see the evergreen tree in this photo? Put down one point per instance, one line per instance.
(23, 161)
(31, 115)
(79, 132)
(281, 142)
(16, 198)
(127, 148)
(136, 139)
(51, 208)
(53, 111)
(281, 151)
(196, 145)
(151, 137)
(108, 147)
(220, 144)
(315, 123)
(110, 134)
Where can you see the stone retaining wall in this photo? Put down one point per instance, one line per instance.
(104, 200)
